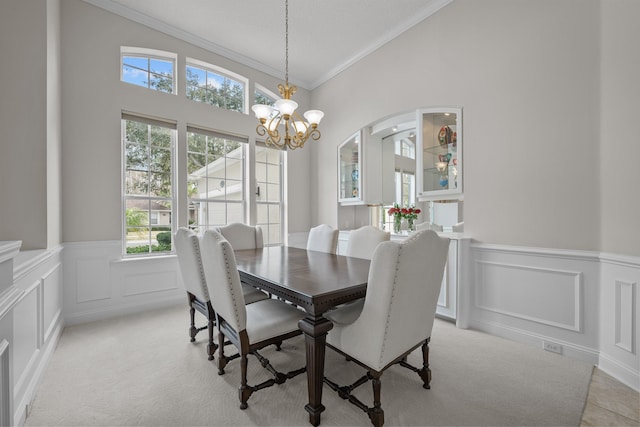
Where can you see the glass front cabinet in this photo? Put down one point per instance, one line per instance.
(439, 168)
(349, 168)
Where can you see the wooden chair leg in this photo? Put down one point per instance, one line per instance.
(222, 360)
(192, 328)
(211, 347)
(376, 414)
(425, 372)
(244, 391)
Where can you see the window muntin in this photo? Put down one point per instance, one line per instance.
(215, 179)
(148, 68)
(269, 171)
(215, 86)
(148, 186)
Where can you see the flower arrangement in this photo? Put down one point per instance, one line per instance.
(410, 213)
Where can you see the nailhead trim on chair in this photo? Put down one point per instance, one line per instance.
(203, 281)
(393, 292)
(233, 295)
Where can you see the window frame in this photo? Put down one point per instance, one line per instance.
(215, 69)
(243, 201)
(149, 121)
(141, 52)
(280, 203)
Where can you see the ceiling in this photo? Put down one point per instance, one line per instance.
(325, 36)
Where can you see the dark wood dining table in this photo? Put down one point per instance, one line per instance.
(316, 282)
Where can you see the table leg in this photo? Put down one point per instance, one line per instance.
(315, 330)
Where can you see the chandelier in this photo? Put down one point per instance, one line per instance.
(283, 113)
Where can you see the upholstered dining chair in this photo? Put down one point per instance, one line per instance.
(428, 226)
(190, 261)
(248, 327)
(396, 316)
(242, 236)
(363, 241)
(323, 238)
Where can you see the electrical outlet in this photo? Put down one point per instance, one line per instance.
(552, 347)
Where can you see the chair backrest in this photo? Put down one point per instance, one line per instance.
(221, 273)
(242, 236)
(323, 238)
(402, 296)
(428, 226)
(190, 261)
(363, 241)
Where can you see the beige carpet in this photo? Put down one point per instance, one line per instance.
(142, 370)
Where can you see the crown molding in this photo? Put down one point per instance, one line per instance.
(432, 7)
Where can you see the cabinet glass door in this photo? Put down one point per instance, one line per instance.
(440, 145)
(349, 169)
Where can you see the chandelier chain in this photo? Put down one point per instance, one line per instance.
(286, 42)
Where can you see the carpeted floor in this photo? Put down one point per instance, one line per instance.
(142, 370)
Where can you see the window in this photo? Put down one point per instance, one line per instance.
(405, 148)
(269, 193)
(215, 181)
(148, 68)
(216, 86)
(148, 187)
(264, 96)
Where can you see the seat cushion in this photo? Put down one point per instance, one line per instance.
(270, 318)
(346, 313)
(252, 294)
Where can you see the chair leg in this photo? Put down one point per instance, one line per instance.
(425, 372)
(211, 347)
(222, 360)
(376, 414)
(192, 328)
(245, 391)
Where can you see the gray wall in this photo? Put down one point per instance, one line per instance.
(528, 75)
(27, 125)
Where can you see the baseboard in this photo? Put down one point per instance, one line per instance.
(20, 412)
(121, 310)
(623, 374)
(572, 350)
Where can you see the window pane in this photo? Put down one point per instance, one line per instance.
(234, 189)
(273, 174)
(235, 213)
(216, 214)
(136, 62)
(273, 193)
(196, 77)
(262, 213)
(261, 172)
(153, 73)
(274, 213)
(161, 67)
(148, 172)
(216, 177)
(134, 76)
(234, 170)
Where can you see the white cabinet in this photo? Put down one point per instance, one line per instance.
(365, 169)
(453, 302)
(439, 149)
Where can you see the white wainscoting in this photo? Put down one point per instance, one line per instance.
(99, 283)
(581, 303)
(37, 322)
(619, 323)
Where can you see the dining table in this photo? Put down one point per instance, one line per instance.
(314, 281)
